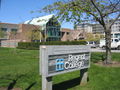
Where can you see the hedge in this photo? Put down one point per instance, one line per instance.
(35, 45)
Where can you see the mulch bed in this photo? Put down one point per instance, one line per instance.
(114, 64)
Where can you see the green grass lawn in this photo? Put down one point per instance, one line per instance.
(23, 66)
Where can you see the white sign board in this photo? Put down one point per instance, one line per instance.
(56, 59)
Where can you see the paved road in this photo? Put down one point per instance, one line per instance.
(101, 50)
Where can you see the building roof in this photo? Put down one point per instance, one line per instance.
(11, 24)
(40, 20)
(65, 30)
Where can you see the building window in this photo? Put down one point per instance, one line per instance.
(4, 29)
(62, 33)
(67, 33)
(14, 30)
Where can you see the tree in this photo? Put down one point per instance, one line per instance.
(35, 35)
(2, 34)
(98, 10)
(90, 37)
(13, 34)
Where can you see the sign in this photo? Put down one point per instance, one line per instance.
(56, 59)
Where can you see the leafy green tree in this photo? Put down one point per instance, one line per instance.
(2, 34)
(13, 33)
(78, 10)
(90, 37)
(35, 35)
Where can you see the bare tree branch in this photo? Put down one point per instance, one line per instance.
(106, 14)
(113, 7)
(101, 17)
(115, 20)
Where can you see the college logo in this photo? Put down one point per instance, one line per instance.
(59, 64)
(73, 61)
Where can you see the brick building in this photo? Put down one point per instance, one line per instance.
(24, 31)
(14, 33)
(6, 28)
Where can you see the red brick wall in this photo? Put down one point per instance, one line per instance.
(23, 32)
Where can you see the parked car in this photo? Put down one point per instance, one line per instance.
(92, 44)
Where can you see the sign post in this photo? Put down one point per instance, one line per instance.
(55, 60)
(83, 76)
(46, 83)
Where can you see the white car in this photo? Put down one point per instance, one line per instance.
(115, 43)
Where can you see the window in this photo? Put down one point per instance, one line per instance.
(90, 42)
(4, 29)
(55, 33)
(62, 33)
(51, 33)
(14, 30)
(67, 33)
(59, 33)
(117, 35)
(116, 40)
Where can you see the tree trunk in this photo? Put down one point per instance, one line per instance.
(108, 46)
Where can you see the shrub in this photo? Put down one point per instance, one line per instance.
(35, 45)
(97, 56)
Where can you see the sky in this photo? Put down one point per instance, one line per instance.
(17, 11)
